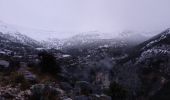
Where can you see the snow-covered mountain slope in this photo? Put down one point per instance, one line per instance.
(133, 37)
(12, 48)
(76, 40)
(158, 45)
(9, 32)
(6, 28)
(161, 39)
(52, 43)
(50, 39)
(95, 37)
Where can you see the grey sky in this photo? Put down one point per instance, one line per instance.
(87, 15)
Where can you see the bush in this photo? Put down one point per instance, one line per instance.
(48, 63)
(163, 93)
(44, 92)
(117, 92)
(18, 78)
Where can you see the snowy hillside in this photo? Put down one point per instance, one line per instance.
(14, 35)
(52, 39)
(95, 37)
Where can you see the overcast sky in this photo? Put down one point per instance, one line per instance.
(87, 15)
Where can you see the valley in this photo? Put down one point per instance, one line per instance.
(83, 67)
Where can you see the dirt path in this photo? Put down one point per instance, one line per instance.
(27, 74)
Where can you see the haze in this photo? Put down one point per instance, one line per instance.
(71, 16)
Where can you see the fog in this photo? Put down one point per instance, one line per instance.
(73, 16)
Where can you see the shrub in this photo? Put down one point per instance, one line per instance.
(18, 78)
(44, 92)
(48, 63)
(117, 92)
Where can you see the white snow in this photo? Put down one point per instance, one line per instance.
(39, 49)
(2, 52)
(65, 56)
(4, 63)
(104, 46)
(161, 50)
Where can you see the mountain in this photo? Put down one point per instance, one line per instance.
(147, 66)
(157, 48)
(85, 39)
(48, 38)
(14, 44)
(152, 58)
(52, 43)
(96, 59)
(13, 48)
(133, 37)
(9, 32)
(157, 42)
(96, 38)
(161, 41)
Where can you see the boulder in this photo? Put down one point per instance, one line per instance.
(46, 91)
(67, 99)
(100, 97)
(105, 97)
(83, 88)
(66, 86)
(30, 76)
(4, 64)
(82, 98)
